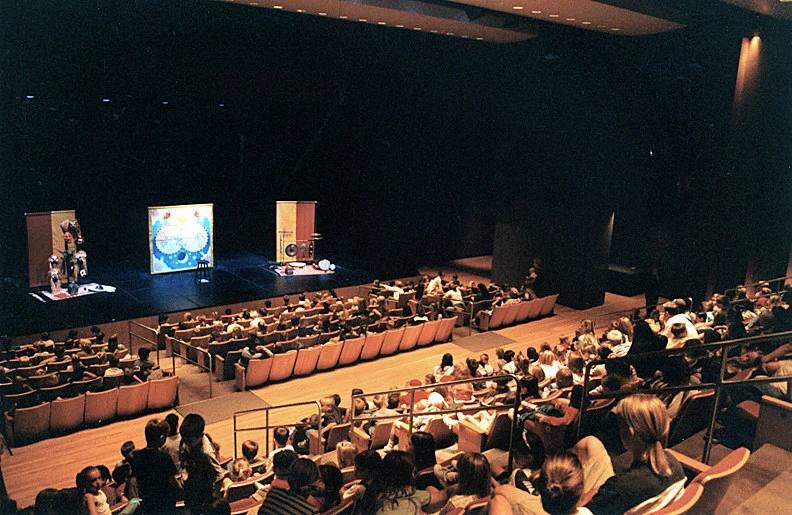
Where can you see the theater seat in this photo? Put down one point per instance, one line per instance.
(26, 425)
(163, 393)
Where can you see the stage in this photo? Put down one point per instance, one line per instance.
(138, 293)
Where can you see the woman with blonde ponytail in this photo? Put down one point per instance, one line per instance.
(653, 475)
(561, 485)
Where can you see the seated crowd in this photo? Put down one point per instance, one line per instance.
(184, 465)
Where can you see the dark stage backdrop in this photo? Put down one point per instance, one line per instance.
(414, 146)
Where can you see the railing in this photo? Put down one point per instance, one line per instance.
(266, 426)
(718, 385)
(606, 318)
(176, 354)
(150, 330)
(410, 414)
(778, 281)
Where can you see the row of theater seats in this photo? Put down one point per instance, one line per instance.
(62, 415)
(303, 362)
(514, 313)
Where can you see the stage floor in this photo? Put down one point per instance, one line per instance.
(138, 293)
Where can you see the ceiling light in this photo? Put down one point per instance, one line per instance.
(517, 7)
(322, 14)
(165, 103)
(614, 29)
(449, 33)
(400, 26)
(586, 23)
(343, 17)
(536, 12)
(381, 23)
(417, 28)
(554, 16)
(570, 19)
(465, 36)
(105, 100)
(479, 39)
(364, 20)
(277, 7)
(433, 31)
(300, 10)
(30, 97)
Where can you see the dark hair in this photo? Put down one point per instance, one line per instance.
(336, 399)
(282, 461)
(249, 450)
(508, 355)
(192, 427)
(474, 475)
(173, 422)
(46, 502)
(121, 473)
(532, 354)
(127, 448)
(104, 472)
(156, 431)
(393, 400)
(423, 450)
(281, 435)
(144, 352)
(83, 478)
(367, 463)
(302, 476)
(447, 361)
(389, 488)
(333, 481)
(528, 448)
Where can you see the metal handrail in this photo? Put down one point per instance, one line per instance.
(472, 409)
(718, 385)
(175, 354)
(630, 311)
(752, 286)
(266, 425)
(131, 334)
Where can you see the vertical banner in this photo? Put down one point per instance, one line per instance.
(180, 236)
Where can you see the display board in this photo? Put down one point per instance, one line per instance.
(180, 236)
(45, 238)
(295, 233)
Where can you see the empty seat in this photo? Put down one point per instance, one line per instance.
(27, 425)
(132, 399)
(446, 330)
(548, 305)
(100, 407)
(163, 393)
(410, 337)
(351, 351)
(328, 358)
(390, 344)
(511, 314)
(716, 479)
(67, 414)
(282, 365)
(255, 374)
(428, 332)
(372, 346)
(306, 360)
(224, 365)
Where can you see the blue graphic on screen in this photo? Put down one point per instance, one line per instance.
(180, 236)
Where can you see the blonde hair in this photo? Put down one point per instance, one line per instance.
(546, 357)
(240, 470)
(561, 484)
(345, 454)
(647, 416)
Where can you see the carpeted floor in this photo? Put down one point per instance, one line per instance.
(224, 407)
(482, 341)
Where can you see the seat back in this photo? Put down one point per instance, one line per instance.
(282, 365)
(43, 381)
(548, 304)
(308, 341)
(163, 393)
(522, 313)
(257, 372)
(498, 314)
(360, 439)
(534, 308)
(684, 503)
(428, 332)
(446, 330)
(338, 433)
(410, 337)
(717, 479)
(442, 434)
(381, 434)
(28, 424)
(693, 416)
(498, 434)
(132, 399)
(351, 351)
(372, 345)
(19, 400)
(306, 360)
(328, 358)
(67, 414)
(241, 490)
(391, 342)
(50, 394)
(100, 407)
(511, 313)
(774, 414)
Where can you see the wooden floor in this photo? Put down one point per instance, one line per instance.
(54, 463)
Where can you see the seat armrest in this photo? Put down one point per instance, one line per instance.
(689, 463)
